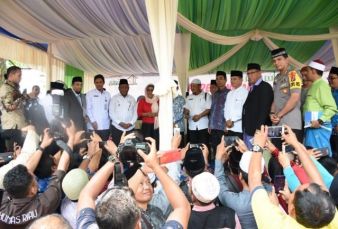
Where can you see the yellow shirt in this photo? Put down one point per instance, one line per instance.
(268, 215)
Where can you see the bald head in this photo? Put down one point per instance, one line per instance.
(49, 222)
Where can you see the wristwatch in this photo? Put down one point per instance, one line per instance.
(87, 157)
(257, 148)
(112, 158)
(40, 148)
(320, 122)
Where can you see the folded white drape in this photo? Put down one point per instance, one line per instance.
(162, 16)
(182, 57)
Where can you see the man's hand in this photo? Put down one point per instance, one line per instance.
(283, 159)
(195, 118)
(95, 137)
(151, 159)
(47, 139)
(70, 130)
(315, 153)
(241, 147)
(95, 126)
(27, 128)
(123, 125)
(229, 123)
(261, 136)
(270, 146)
(222, 151)
(184, 150)
(86, 119)
(176, 141)
(205, 151)
(77, 137)
(124, 137)
(17, 150)
(111, 147)
(274, 119)
(209, 130)
(32, 95)
(315, 124)
(289, 137)
(92, 148)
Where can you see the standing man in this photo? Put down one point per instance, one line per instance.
(197, 109)
(122, 112)
(13, 105)
(319, 98)
(74, 105)
(47, 101)
(178, 116)
(333, 82)
(216, 119)
(213, 87)
(97, 108)
(287, 88)
(305, 87)
(233, 107)
(256, 108)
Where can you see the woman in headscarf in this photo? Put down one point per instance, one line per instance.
(147, 110)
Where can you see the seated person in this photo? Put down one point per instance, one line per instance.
(118, 208)
(310, 206)
(20, 206)
(204, 189)
(239, 202)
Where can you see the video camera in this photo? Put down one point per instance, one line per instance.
(56, 129)
(127, 151)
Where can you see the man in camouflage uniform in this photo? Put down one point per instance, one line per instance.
(13, 103)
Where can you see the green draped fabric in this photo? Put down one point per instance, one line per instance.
(234, 17)
(70, 72)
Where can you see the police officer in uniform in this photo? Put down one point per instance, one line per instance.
(287, 87)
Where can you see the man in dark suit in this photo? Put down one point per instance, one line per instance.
(74, 105)
(256, 108)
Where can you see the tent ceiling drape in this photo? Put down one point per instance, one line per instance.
(113, 37)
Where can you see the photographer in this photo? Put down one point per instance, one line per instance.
(20, 206)
(118, 209)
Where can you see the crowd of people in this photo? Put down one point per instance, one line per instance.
(66, 166)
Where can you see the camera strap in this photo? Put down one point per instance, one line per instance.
(65, 147)
(119, 178)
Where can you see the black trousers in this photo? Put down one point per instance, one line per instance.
(278, 141)
(233, 133)
(116, 134)
(147, 130)
(216, 138)
(13, 135)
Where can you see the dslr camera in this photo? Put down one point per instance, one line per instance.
(127, 151)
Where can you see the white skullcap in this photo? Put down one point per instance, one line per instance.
(74, 182)
(196, 81)
(205, 187)
(245, 162)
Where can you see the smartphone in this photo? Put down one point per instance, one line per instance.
(275, 131)
(198, 145)
(230, 140)
(171, 156)
(177, 131)
(324, 151)
(101, 144)
(279, 183)
(7, 157)
(288, 149)
(86, 135)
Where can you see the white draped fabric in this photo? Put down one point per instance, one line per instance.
(162, 16)
(88, 81)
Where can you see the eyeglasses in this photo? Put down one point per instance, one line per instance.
(332, 78)
(250, 73)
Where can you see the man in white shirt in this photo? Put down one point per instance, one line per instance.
(196, 110)
(97, 109)
(234, 105)
(122, 112)
(47, 101)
